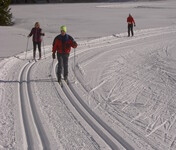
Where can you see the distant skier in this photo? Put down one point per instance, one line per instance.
(62, 44)
(130, 22)
(37, 33)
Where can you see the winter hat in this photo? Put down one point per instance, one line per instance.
(63, 28)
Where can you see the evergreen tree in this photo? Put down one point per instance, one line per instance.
(5, 15)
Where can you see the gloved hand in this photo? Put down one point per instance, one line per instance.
(75, 44)
(53, 55)
(134, 24)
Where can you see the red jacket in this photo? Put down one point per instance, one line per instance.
(36, 32)
(63, 44)
(130, 20)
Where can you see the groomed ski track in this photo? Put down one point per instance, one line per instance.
(110, 136)
(39, 131)
(35, 137)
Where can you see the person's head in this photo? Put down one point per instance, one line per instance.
(130, 15)
(63, 30)
(37, 25)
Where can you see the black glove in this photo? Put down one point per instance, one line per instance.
(134, 24)
(75, 44)
(53, 55)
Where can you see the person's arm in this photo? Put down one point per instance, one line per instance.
(54, 48)
(127, 21)
(134, 22)
(74, 45)
(73, 42)
(31, 33)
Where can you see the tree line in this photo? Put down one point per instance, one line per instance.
(50, 1)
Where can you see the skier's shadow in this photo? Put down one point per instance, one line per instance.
(4, 81)
(30, 81)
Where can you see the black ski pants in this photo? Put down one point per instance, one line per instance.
(62, 62)
(130, 29)
(35, 44)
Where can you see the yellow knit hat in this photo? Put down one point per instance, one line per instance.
(63, 28)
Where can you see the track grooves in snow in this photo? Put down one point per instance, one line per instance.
(111, 44)
(91, 120)
(116, 128)
(110, 137)
(34, 134)
(105, 132)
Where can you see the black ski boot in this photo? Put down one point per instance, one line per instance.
(59, 81)
(66, 79)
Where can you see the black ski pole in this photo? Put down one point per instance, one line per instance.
(51, 67)
(44, 48)
(27, 47)
(74, 63)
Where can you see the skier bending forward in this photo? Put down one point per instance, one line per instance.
(62, 44)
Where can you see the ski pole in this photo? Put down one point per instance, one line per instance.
(27, 47)
(74, 62)
(43, 47)
(51, 67)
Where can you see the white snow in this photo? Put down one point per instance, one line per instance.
(121, 92)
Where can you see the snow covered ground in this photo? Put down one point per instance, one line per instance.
(121, 92)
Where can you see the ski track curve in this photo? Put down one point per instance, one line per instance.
(112, 139)
(93, 57)
(34, 135)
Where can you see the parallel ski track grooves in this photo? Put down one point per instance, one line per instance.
(83, 103)
(111, 138)
(91, 123)
(73, 97)
(35, 135)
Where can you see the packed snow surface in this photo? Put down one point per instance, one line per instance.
(121, 91)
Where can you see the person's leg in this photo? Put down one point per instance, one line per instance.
(128, 29)
(34, 49)
(39, 49)
(65, 64)
(59, 70)
(132, 33)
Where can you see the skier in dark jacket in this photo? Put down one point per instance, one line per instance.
(130, 22)
(62, 44)
(37, 33)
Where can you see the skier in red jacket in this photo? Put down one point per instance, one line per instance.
(130, 22)
(62, 44)
(37, 33)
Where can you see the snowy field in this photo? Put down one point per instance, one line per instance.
(122, 90)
